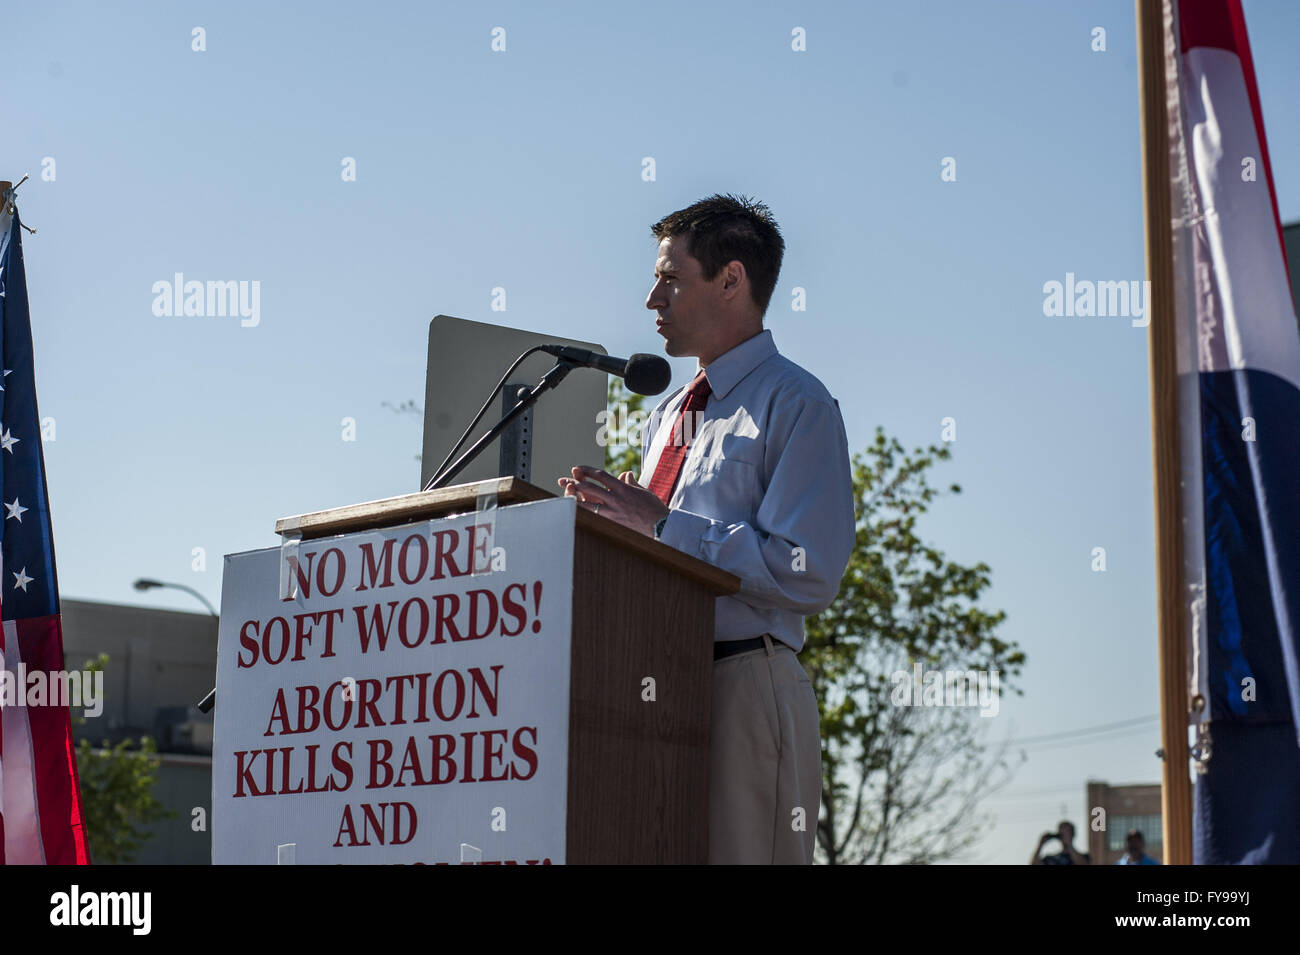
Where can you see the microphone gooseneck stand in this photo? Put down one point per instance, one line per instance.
(549, 381)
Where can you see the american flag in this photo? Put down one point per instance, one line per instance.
(40, 802)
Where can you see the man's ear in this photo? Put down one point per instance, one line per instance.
(733, 275)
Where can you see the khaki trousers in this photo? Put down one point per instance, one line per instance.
(765, 759)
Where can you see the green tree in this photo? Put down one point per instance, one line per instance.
(117, 791)
(900, 783)
(621, 429)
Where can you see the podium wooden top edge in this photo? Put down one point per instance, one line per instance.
(405, 508)
(426, 505)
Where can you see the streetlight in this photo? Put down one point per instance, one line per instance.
(145, 583)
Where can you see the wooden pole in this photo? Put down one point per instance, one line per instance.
(1175, 788)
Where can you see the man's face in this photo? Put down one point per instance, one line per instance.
(1136, 846)
(1066, 834)
(685, 303)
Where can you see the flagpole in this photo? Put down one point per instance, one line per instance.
(1175, 788)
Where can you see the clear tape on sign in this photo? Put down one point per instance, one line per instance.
(485, 516)
(290, 537)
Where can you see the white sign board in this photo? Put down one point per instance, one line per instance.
(407, 702)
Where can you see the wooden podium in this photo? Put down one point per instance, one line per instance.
(637, 769)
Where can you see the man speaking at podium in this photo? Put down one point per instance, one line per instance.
(746, 468)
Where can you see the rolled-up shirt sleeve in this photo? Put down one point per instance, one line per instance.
(794, 553)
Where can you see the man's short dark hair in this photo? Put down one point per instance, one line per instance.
(722, 228)
(1135, 833)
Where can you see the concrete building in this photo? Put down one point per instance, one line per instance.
(1126, 807)
(160, 664)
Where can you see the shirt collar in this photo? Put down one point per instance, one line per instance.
(727, 370)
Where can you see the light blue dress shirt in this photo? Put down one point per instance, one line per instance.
(766, 490)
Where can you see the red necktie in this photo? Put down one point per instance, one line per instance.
(669, 468)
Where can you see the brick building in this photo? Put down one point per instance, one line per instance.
(1127, 807)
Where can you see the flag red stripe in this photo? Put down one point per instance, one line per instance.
(40, 645)
(2, 762)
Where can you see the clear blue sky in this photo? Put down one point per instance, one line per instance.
(522, 169)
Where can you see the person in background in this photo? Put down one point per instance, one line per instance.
(1067, 856)
(1135, 846)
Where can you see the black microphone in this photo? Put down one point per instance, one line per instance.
(644, 374)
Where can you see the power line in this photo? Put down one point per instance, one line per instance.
(1032, 793)
(1105, 737)
(1100, 734)
(1084, 731)
(1014, 794)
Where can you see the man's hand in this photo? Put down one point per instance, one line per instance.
(620, 499)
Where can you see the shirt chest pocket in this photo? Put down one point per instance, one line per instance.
(718, 441)
(732, 487)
